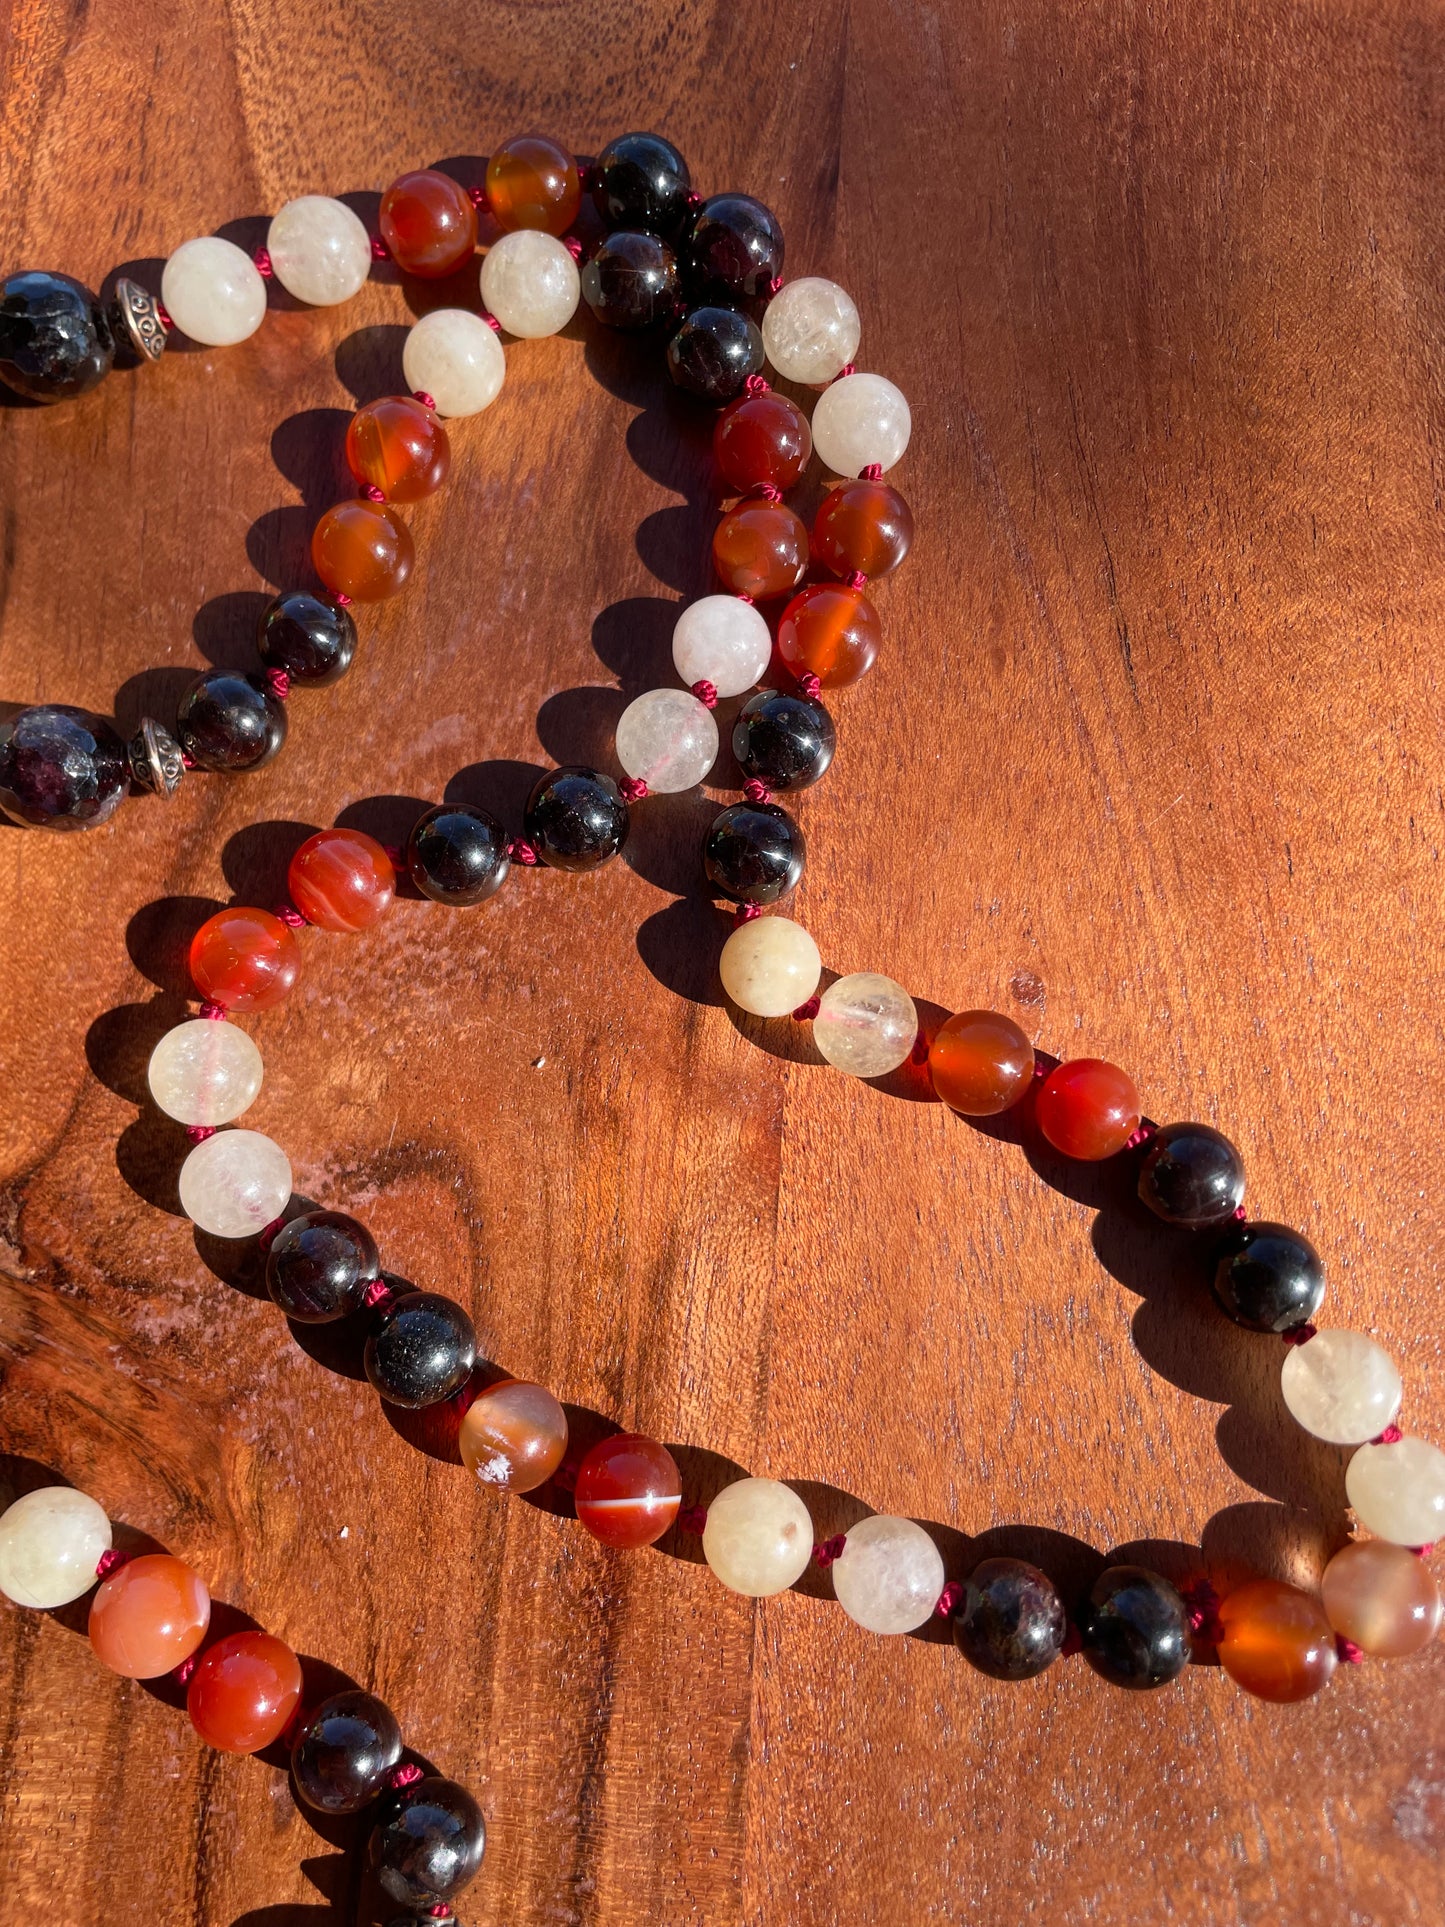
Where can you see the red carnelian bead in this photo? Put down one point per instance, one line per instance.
(762, 439)
(341, 880)
(862, 526)
(830, 632)
(1088, 1109)
(1275, 1641)
(244, 959)
(981, 1063)
(760, 549)
(429, 223)
(398, 446)
(532, 182)
(628, 1490)
(243, 1692)
(149, 1615)
(362, 550)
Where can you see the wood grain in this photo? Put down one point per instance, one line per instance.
(1152, 755)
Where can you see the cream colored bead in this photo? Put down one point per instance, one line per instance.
(889, 1575)
(722, 640)
(213, 291)
(1341, 1386)
(320, 250)
(860, 421)
(454, 357)
(866, 1024)
(49, 1544)
(811, 330)
(667, 737)
(530, 283)
(770, 966)
(1398, 1491)
(204, 1072)
(758, 1538)
(235, 1183)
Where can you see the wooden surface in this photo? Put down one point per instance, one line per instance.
(1152, 755)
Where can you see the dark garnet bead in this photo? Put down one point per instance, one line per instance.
(61, 768)
(457, 854)
(55, 338)
(784, 741)
(227, 721)
(308, 636)
(345, 1750)
(319, 1266)
(713, 353)
(422, 1350)
(1010, 1622)
(428, 1841)
(642, 182)
(754, 853)
(1268, 1277)
(631, 281)
(1135, 1629)
(735, 248)
(575, 819)
(1192, 1176)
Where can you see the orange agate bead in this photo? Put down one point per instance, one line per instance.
(429, 223)
(398, 446)
(244, 959)
(341, 880)
(1275, 1641)
(533, 183)
(629, 1491)
(981, 1063)
(760, 549)
(863, 526)
(514, 1435)
(362, 550)
(1088, 1109)
(244, 1691)
(149, 1615)
(830, 631)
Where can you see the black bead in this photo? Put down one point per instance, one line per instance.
(1010, 1622)
(575, 819)
(61, 768)
(735, 248)
(344, 1752)
(227, 721)
(642, 182)
(457, 854)
(423, 1349)
(319, 1266)
(713, 353)
(784, 741)
(1268, 1277)
(631, 281)
(428, 1841)
(754, 853)
(1192, 1176)
(55, 338)
(1135, 1628)
(309, 636)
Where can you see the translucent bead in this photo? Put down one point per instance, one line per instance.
(398, 446)
(56, 339)
(341, 880)
(514, 1436)
(204, 1072)
(714, 352)
(862, 525)
(1135, 1629)
(213, 291)
(429, 224)
(1275, 1641)
(758, 1538)
(889, 1575)
(1398, 1491)
(320, 250)
(724, 641)
(754, 853)
(1087, 1108)
(244, 959)
(830, 631)
(49, 1544)
(235, 1184)
(860, 422)
(1382, 1597)
(980, 1063)
(229, 722)
(668, 739)
(244, 1691)
(628, 1491)
(454, 357)
(811, 330)
(427, 1844)
(866, 1024)
(148, 1616)
(770, 966)
(762, 439)
(1341, 1387)
(362, 550)
(341, 1757)
(760, 549)
(530, 283)
(1191, 1176)
(63, 769)
(532, 182)
(630, 281)
(1269, 1278)
(1010, 1622)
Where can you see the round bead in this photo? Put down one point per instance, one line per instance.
(1010, 1622)
(642, 181)
(713, 353)
(784, 741)
(422, 1350)
(399, 447)
(863, 526)
(668, 739)
(429, 224)
(811, 330)
(1275, 1641)
(1268, 1277)
(50, 1542)
(830, 632)
(628, 1491)
(204, 1072)
(1192, 1176)
(1398, 1491)
(341, 880)
(1341, 1387)
(244, 959)
(230, 722)
(55, 338)
(244, 1691)
(1135, 1629)
(362, 550)
(734, 248)
(758, 1538)
(530, 283)
(428, 1841)
(861, 422)
(575, 819)
(319, 1266)
(981, 1063)
(235, 1184)
(514, 1436)
(1088, 1109)
(319, 249)
(454, 357)
(762, 440)
(760, 549)
(213, 291)
(721, 640)
(889, 1575)
(309, 637)
(457, 854)
(770, 966)
(533, 183)
(754, 853)
(1382, 1597)
(148, 1616)
(866, 1024)
(341, 1757)
(62, 768)
(631, 281)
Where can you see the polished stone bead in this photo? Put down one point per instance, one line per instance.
(575, 819)
(429, 224)
(628, 1490)
(668, 739)
(310, 637)
(148, 1616)
(514, 1435)
(1383, 1597)
(428, 1841)
(1398, 1491)
(213, 291)
(244, 1692)
(235, 1183)
(319, 1266)
(398, 446)
(981, 1063)
(713, 353)
(50, 1541)
(1275, 1641)
(830, 631)
(530, 283)
(811, 330)
(457, 854)
(889, 1575)
(1191, 1176)
(320, 250)
(770, 966)
(861, 421)
(343, 1753)
(1341, 1386)
(862, 526)
(454, 357)
(244, 959)
(734, 248)
(1268, 1277)
(362, 550)
(61, 768)
(55, 338)
(722, 640)
(784, 741)
(760, 549)
(341, 880)
(754, 853)
(203, 1072)
(761, 440)
(532, 182)
(641, 181)
(230, 722)
(422, 1350)
(631, 281)
(1088, 1109)
(758, 1539)
(866, 1025)
(1010, 1622)
(1135, 1628)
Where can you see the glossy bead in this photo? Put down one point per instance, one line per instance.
(642, 181)
(235, 1183)
(1398, 1491)
(769, 966)
(1268, 1277)
(310, 637)
(533, 183)
(428, 1841)
(863, 526)
(631, 281)
(758, 1539)
(866, 1025)
(50, 1541)
(514, 1435)
(203, 1072)
(861, 421)
(341, 1757)
(628, 1490)
(784, 741)
(760, 549)
(530, 283)
(981, 1063)
(453, 356)
(668, 738)
(320, 250)
(1275, 1641)
(811, 330)
(213, 291)
(1341, 1387)
(341, 880)
(55, 338)
(362, 550)
(244, 959)
(457, 854)
(889, 1575)
(721, 640)
(713, 353)
(1135, 1629)
(1191, 1176)
(244, 1691)
(319, 1266)
(575, 819)
(398, 446)
(149, 1615)
(1088, 1109)
(831, 632)
(754, 853)
(734, 248)
(230, 722)
(422, 1350)
(61, 768)
(1383, 1597)
(1010, 1622)
(761, 439)
(429, 224)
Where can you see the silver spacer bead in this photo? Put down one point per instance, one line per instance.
(155, 758)
(137, 315)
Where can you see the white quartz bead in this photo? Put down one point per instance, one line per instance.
(235, 1183)
(722, 640)
(769, 966)
(454, 357)
(666, 737)
(49, 1543)
(866, 1024)
(320, 250)
(204, 1072)
(758, 1538)
(1341, 1386)
(810, 330)
(213, 291)
(859, 421)
(889, 1575)
(530, 282)
(1398, 1491)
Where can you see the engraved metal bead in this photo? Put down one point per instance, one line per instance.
(155, 758)
(135, 315)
